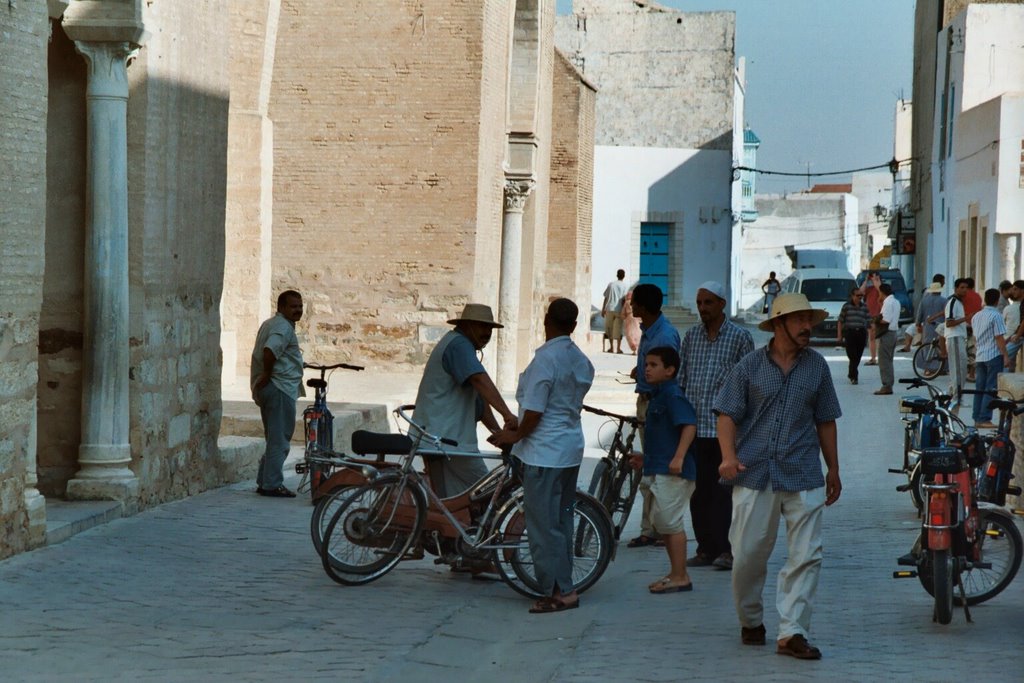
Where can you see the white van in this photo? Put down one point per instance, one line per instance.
(827, 288)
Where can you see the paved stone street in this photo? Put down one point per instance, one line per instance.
(225, 586)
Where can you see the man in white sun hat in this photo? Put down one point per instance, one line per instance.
(455, 392)
(777, 413)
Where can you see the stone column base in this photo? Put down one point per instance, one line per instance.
(125, 491)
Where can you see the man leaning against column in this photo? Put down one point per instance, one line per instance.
(276, 381)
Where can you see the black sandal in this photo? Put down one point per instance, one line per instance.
(641, 541)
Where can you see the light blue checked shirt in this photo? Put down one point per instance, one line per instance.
(703, 365)
(776, 418)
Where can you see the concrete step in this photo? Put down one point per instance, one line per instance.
(242, 419)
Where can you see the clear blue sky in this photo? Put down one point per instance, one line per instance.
(823, 77)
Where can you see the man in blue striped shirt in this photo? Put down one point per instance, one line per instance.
(777, 413)
(990, 356)
(656, 331)
(708, 352)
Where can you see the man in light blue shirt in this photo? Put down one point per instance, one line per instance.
(275, 377)
(656, 331)
(549, 444)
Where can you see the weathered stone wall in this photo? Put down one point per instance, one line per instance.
(23, 95)
(951, 8)
(60, 320)
(684, 99)
(572, 185)
(177, 151)
(388, 141)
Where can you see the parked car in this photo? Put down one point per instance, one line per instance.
(894, 278)
(826, 288)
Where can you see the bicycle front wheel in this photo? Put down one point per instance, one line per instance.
(621, 494)
(323, 513)
(927, 361)
(591, 545)
(372, 530)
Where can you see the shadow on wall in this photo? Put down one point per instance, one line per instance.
(698, 193)
(177, 167)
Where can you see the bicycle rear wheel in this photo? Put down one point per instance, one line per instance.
(999, 541)
(1001, 547)
(372, 530)
(943, 575)
(927, 361)
(592, 545)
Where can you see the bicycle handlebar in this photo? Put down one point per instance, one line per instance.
(604, 413)
(343, 366)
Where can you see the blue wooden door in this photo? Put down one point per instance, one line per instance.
(654, 255)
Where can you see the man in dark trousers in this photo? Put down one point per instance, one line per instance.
(656, 331)
(707, 353)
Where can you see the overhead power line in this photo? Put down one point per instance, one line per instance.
(893, 165)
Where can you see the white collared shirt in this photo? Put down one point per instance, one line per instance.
(891, 311)
(554, 384)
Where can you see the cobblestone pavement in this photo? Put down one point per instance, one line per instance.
(225, 586)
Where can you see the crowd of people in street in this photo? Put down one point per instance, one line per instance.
(979, 336)
(733, 435)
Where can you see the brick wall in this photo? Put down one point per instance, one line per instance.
(387, 158)
(665, 77)
(23, 28)
(572, 184)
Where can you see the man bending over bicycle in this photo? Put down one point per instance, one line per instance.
(453, 386)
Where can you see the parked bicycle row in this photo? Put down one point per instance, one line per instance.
(969, 549)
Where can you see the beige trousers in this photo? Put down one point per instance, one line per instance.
(755, 525)
(646, 525)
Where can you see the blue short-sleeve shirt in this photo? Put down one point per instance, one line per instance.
(667, 414)
(460, 360)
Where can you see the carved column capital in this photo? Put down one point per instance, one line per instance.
(108, 67)
(516, 192)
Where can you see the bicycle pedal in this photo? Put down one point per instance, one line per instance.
(903, 488)
(301, 467)
(893, 470)
(904, 574)
(979, 565)
(1013, 490)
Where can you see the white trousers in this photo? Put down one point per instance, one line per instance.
(755, 526)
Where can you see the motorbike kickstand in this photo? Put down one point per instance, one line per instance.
(963, 596)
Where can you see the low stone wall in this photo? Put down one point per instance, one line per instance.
(242, 419)
(1013, 385)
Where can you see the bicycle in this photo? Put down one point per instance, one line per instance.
(920, 430)
(318, 427)
(615, 481)
(964, 544)
(929, 362)
(379, 523)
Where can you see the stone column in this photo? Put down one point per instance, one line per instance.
(104, 453)
(1008, 255)
(516, 192)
